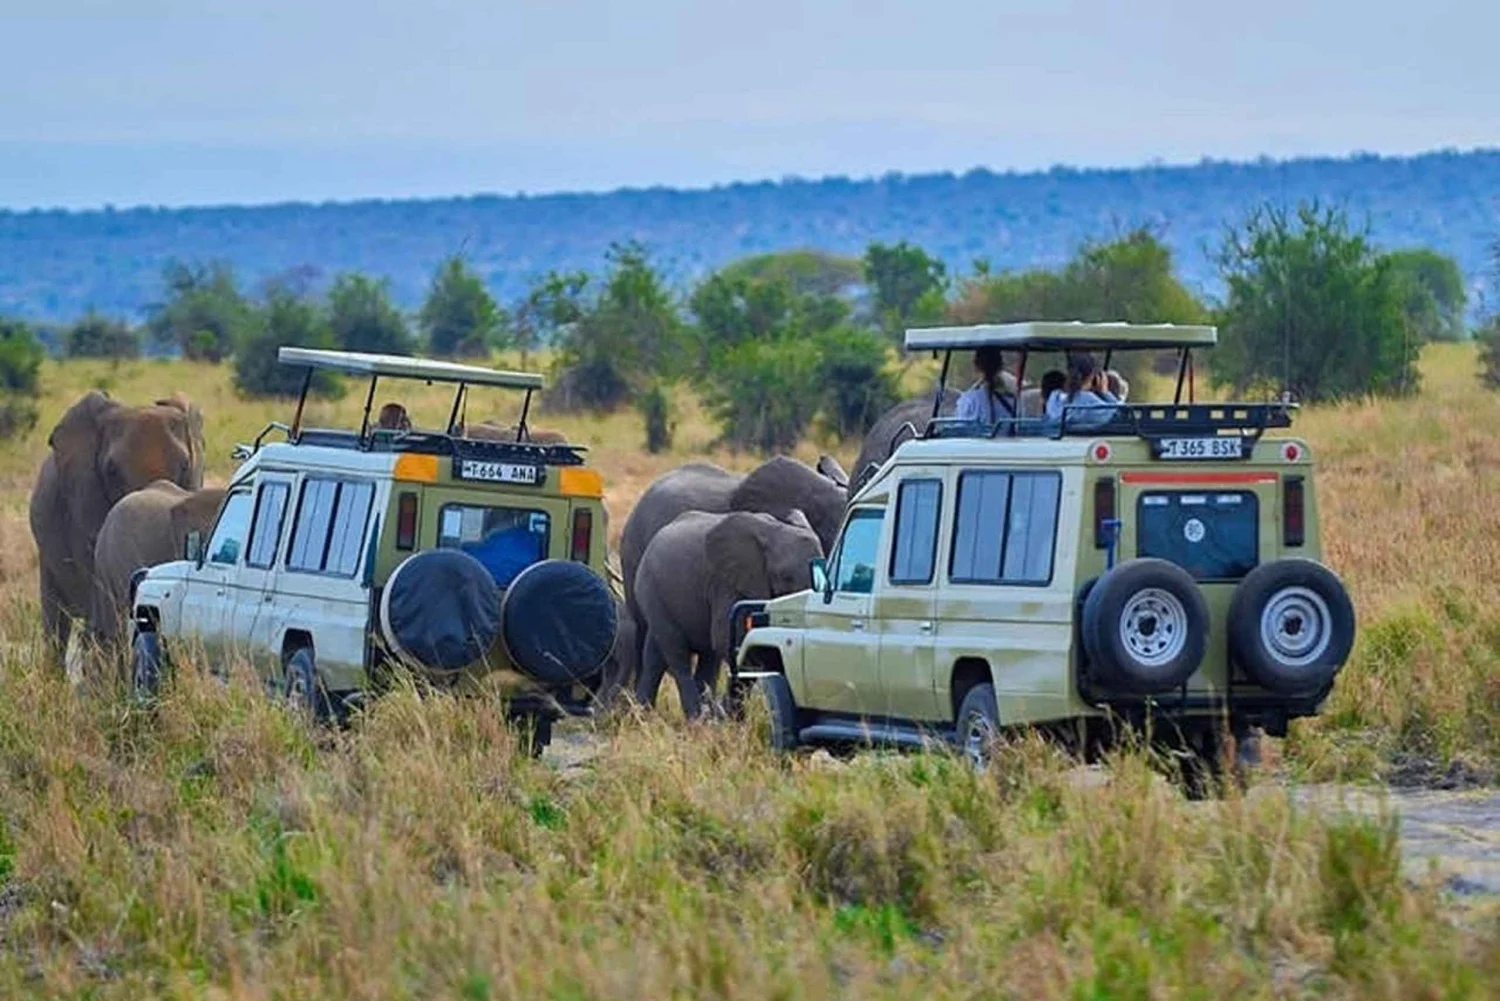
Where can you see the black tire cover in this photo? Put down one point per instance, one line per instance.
(558, 621)
(1110, 660)
(1298, 588)
(440, 608)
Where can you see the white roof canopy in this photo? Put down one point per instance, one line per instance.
(398, 367)
(1061, 336)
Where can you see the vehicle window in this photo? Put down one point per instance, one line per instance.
(1005, 528)
(506, 540)
(265, 533)
(855, 573)
(329, 531)
(228, 539)
(914, 552)
(1213, 536)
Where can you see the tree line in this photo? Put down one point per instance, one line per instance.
(778, 344)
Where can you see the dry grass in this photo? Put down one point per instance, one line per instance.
(214, 847)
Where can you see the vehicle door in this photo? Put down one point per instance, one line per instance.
(207, 601)
(905, 601)
(843, 650)
(253, 585)
(320, 587)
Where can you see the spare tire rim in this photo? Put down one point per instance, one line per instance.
(1295, 626)
(1154, 626)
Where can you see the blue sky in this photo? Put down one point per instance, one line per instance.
(201, 101)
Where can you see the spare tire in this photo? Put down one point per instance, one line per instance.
(558, 620)
(1291, 626)
(1145, 627)
(441, 609)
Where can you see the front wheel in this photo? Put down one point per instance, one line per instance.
(775, 694)
(145, 665)
(301, 688)
(978, 724)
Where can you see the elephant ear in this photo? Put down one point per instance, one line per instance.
(830, 468)
(75, 445)
(736, 549)
(196, 447)
(797, 519)
(197, 510)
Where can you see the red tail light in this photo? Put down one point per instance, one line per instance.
(583, 534)
(406, 521)
(1104, 510)
(1293, 512)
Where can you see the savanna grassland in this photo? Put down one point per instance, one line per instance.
(214, 846)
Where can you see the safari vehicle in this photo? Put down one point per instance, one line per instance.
(1158, 568)
(339, 554)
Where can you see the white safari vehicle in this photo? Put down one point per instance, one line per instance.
(338, 554)
(1148, 563)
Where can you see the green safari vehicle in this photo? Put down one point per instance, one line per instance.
(1149, 566)
(339, 554)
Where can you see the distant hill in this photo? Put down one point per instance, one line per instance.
(56, 264)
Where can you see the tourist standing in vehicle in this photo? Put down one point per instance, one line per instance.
(993, 396)
(1085, 398)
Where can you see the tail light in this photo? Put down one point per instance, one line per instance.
(583, 534)
(1104, 510)
(406, 521)
(1293, 512)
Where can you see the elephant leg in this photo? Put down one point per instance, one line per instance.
(57, 625)
(689, 692)
(653, 666)
(706, 678)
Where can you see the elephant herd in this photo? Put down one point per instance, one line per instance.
(122, 488)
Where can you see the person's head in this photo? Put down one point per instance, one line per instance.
(1053, 381)
(393, 418)
(1116, 384)
(1083, 374)
(988, 362)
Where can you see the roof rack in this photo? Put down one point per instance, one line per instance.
(1149, 421)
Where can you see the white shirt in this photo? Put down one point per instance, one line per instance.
(978, 404)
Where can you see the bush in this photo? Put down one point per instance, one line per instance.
(96, 336)
(1489, 354)
(362, 317)
(460, 319)
(288, 320)
(857, 386)
(1311, 308)
(204, 316)
(20, 383)
(656, 411)
(765, 393)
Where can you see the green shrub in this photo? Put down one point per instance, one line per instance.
(20, 368)
(1489, 354)
(97, 336)
(765, 393)
(204, 315)
(857, 387)
(362, 317)
(288, 320)
(656, 411)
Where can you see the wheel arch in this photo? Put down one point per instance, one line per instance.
(968, 671)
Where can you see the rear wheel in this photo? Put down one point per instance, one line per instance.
(145, 665)
(301, 688)
(978, 724)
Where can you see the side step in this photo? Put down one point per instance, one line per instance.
(872, 732)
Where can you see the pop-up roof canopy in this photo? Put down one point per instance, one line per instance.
(1060, 336)
(398, 367)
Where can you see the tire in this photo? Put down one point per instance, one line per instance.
(559, 622)
(146, 667)
(978, 724)
(781, 709)
(1145, 627)
(440, 609)
(301, 688)
(535, 733)
(1291, 626)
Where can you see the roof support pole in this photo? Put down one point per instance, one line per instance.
(301, 404)
(364, 423)
(521, 429)
(937, 401)
(1182, 370)
(458, 399)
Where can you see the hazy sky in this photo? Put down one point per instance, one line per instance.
(203, 101)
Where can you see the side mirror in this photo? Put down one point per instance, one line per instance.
(193, 548)
(819, 568)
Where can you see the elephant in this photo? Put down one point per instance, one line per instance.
(101, 450)
(144, 528)
(691, 575)
(776, 487)
(891, 429)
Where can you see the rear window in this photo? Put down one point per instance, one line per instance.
(506, 540)
(1212, 535)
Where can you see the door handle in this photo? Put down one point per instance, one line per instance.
(219, 593)
(857, 624)
(925, 627)
(266, 598)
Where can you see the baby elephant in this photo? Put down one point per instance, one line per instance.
(693, 572)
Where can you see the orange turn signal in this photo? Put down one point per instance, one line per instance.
(575, 482)
(417, 469)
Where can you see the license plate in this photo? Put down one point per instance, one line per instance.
(498, 472)
(1214, 447)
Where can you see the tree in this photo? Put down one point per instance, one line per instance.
(806, 272)
(1489, 354)
(362, 317)
(460, 318)
(656, 412)
(288, 320)
(553, 304)
(1433, 296)
(907, 285)
(97, 336)
(204, 315)
(630, 335)
(20, 381)
(765, 393)
(857, 386)
(1311, 308)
